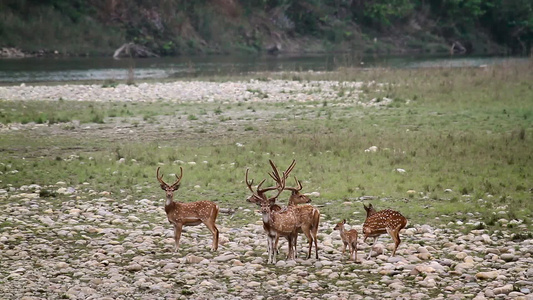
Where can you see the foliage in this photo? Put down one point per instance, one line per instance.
(179, 26)
(383, 13)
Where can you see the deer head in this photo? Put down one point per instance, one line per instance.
(258, 196)
(340, 225)
(370, 210)
(169, 189)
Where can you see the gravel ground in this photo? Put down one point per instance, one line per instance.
(89, 245)
(269, 90)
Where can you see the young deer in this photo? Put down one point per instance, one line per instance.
(182, 214)
(308, 215)
(383, 221)
(275, 223)
(349, 238)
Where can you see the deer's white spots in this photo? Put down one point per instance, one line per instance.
(385, 221)
(188, 214)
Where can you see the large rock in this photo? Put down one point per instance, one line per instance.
(487, 275)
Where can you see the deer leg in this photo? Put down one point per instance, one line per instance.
(398, 240)
(344, 244)
(294, 242)
(214, 230)
(372, 246)
(350, 248)
(314, 233)
(289, 247)
(309, 236)
(268, 248)
(310, 240)
(177, 235)
(276, 244)
(395, 234)
(271, 251)
(290, 240)
(354, 250)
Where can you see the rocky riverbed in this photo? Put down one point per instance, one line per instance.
(183, 91)
(86, 244)
(76, 242)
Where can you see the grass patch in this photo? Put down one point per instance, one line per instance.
(464, 146)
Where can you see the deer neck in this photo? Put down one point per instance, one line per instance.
(266, 217)
(170, 200)
(371, 212)
(343, 233)
(293, 199)
(170, 205)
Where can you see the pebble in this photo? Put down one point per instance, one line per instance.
(191, 91)
(91, 249)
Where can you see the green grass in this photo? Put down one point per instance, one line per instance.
(468, 130)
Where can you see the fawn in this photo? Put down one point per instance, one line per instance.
(349, 238)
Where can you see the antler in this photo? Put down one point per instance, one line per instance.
(250, 182)
(175, 185)
(298, 186)
(277, 178)
(280, 185)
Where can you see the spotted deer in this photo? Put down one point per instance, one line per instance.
(275, 223)
(308, 215)
(182, 214)
(381, 222)
(349, 238)
(258, 197)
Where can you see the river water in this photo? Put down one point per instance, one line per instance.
(25, 70)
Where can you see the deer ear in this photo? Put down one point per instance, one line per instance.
(176, 187)
(343, 221)
(163, 187)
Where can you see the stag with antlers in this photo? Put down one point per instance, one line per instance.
(182, 214)
(381, 222)
(308, 215)
(275, 223)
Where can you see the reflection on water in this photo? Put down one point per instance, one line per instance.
(86, 69)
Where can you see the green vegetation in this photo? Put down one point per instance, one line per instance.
(53, 112)
(468, 130)
(190, 27)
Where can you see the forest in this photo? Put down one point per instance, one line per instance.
(178, 27)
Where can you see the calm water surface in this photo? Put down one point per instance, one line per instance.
(87, 69)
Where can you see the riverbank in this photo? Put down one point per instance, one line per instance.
(448, 148)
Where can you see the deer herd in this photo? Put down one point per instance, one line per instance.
(297, 217)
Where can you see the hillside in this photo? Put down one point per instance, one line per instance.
(176, 27)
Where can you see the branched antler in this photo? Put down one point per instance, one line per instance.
(175, 186)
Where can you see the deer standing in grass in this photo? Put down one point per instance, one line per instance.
(308, 215)
(383, 221)
(349, 238)
(182, 214)
(275, 223)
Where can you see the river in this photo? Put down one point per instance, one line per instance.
(77, 69)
